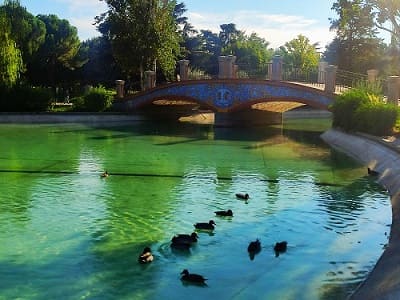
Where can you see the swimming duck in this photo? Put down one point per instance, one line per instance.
(185, 238)
(280, 247)
(205, 226)
(181, 246)
(105, 174)
(372, 172)
(254, 246)
(224, 213)
(146, 256)
(242, 196)
(195, 278)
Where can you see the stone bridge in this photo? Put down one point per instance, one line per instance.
(229, 95)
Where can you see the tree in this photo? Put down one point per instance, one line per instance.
(27, 31)
(228, 35)
(142, 33)
(387, 12)
(358, 46)
(101, 67)
(10, 56)
(300, 54)
(59, 54)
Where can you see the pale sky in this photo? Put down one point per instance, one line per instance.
(276, 21)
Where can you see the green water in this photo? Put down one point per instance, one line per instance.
(67, 233)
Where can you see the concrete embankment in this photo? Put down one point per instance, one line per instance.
(383, 282)
(53, 118)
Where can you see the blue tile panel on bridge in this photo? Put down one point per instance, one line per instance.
(225, 96)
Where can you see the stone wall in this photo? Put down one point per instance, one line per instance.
(383, 282)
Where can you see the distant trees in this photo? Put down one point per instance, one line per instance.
(143, 34)
(300, 53)
(356, 43)
(59, 54)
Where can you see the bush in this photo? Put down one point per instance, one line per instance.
(359, 110)
(24, 98)
(345, 106)
(376, 119)
(97, 99)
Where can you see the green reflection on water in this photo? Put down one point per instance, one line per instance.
(66, 232)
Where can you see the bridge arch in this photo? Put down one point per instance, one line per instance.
(228, 95)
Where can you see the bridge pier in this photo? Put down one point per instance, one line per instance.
(250, 117)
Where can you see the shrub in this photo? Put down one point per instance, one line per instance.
(24, 98)
(359, 109)
(376, 119)
(97, 99)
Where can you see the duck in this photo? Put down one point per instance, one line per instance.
(104, 174)
(205, 226)
(372, 172)
(242, 196)
(146, 256)
(185, 238)
(194, 278)
(254, 246)
(224, 213)
(280, 247)
(180, 246)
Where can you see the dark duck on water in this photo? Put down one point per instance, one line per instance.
(253, 248)
(193, 278)
(185, 238)
(280, 247)
(242, 196)
(224, 213)
(205, 226)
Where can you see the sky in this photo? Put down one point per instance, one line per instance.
(277, 21)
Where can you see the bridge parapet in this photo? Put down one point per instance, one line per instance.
(227, 95)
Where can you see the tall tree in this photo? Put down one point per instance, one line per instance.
(59, 53)
(300, 53)
(27, 30)
(387, 12)
(228, 36)
(358, 46)
(10, 56)
(142, 32)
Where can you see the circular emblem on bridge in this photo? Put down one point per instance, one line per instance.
(223, 98)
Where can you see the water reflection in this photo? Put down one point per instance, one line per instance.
(70, 231)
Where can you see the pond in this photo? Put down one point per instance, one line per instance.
(67, 233)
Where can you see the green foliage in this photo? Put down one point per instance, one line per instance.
(58, 55)
(24, 98)
(299, 53)
(10, 57)
(27, 30)
(359, 110)
(142, 33)
(97, 99)
(376, 118)
(356, 44)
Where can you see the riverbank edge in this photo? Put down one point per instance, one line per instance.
(383, 282)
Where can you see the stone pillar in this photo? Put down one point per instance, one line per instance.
(150, 79)
(372, 75)
(330, 79)
(184, 69)
(120, 88)
(235, 71)
(222, 67)
(230, 65)
(322, 71)
(276, 68)
(393, 90)
(269, 75)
